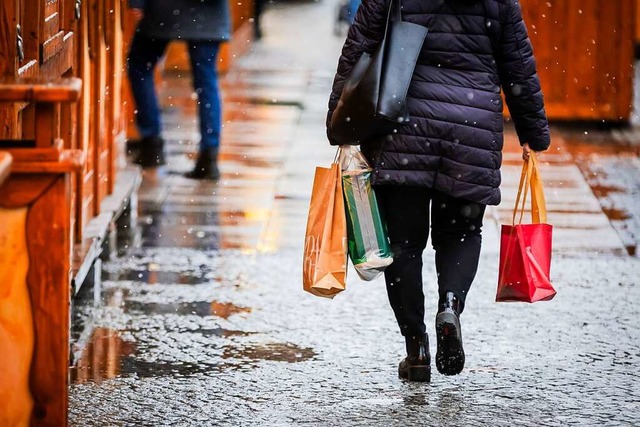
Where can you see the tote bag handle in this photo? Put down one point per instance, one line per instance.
(530, 180)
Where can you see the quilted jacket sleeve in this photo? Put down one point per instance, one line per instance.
(520, 82)
(364, 36)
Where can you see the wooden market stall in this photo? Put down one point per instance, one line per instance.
(64, 113)
(61, 67)
(585, 55)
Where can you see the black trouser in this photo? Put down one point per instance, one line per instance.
(258, 8)
(455, 234)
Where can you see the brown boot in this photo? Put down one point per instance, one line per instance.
(417, 365)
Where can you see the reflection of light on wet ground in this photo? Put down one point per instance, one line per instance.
(106, 356)
(183, 213)
(610, 166)
(203, 308)
(101, 357)
(119, 363)
(226, 309)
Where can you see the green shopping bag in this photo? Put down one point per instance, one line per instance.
(368, 241)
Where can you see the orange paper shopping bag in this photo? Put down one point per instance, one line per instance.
(324, 267)
(525, 249)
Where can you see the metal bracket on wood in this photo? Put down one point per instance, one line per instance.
(20, 43)
(78, 9)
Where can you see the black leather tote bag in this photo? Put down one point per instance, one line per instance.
(373, 100)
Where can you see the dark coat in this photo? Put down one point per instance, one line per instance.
(195, 20)
(454, 140)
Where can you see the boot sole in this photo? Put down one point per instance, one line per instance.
(418, 373)
(450, 354)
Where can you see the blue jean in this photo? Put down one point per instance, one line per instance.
(353, 8)
(143, 57)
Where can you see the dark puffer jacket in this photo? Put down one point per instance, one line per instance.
(454, 140)
(193, 20)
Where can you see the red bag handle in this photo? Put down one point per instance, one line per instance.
(530, 180)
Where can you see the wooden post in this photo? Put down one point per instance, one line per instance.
(40, 186)
(43, 188)
(16, 319)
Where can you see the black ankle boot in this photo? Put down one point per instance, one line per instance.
(417, 365)
(206, 165)
(151, 152)
(450, 354)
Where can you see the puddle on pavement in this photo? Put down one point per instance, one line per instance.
(101, 357)
(223, 333)
(106, 355)
(145, 369)
(158, 277)
(166, 235)
(275, 352)
(199, 308)
(236, 358)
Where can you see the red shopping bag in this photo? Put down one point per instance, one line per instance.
(525, 249)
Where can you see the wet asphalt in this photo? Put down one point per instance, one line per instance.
(204, 322)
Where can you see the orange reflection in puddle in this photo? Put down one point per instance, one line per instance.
(226, 309)
(101, 357)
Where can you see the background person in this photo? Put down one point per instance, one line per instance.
(203, 25)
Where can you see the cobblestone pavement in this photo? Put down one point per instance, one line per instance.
(205, 323)
(228, 338)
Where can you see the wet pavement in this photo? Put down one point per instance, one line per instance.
(205, 321)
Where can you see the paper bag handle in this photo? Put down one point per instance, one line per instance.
(530, 180)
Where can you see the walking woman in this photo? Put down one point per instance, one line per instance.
(441, 170)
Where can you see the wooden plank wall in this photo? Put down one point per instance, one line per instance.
(65, 162)
(584, 50)
(65, 108)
